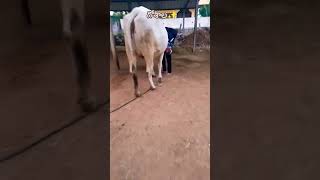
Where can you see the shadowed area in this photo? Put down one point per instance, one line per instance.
(266, 90)
(38, 93)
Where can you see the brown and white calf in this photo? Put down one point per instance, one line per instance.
(144, 38)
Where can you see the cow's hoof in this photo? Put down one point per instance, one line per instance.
(88, 104)
(152, 88)
(138, 94)
(160, 80)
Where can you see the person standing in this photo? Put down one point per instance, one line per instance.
(166, 62)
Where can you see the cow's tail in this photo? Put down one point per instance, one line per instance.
(129, 31)
(133, 31)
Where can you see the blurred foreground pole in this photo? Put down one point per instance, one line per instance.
(195, 25)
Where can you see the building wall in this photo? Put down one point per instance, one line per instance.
(202, 2)
(189, 22)
(173, 12)
(192, 12)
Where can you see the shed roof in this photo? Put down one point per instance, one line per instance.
(124, 5)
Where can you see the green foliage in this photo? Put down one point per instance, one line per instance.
(118, 15)
(204, 10)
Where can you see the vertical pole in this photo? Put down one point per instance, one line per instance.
(195, 26)
(183, 18)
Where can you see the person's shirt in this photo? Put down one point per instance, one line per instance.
(172, 34)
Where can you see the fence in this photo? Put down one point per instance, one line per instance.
(173, 23)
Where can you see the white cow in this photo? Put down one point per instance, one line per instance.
(144, 38)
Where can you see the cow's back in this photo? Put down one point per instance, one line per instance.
(150, 33)
(142, 33)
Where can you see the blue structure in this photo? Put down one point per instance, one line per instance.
(128, 5)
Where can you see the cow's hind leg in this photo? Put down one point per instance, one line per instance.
(133, 70)
(160, 68)
(152, 86)
(149, 63)
(135, 81)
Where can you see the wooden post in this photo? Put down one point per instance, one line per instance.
(183, 18)
(195, 26)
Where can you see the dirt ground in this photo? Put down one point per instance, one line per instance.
(165, 133)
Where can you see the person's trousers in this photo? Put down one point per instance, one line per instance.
(166, 62)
